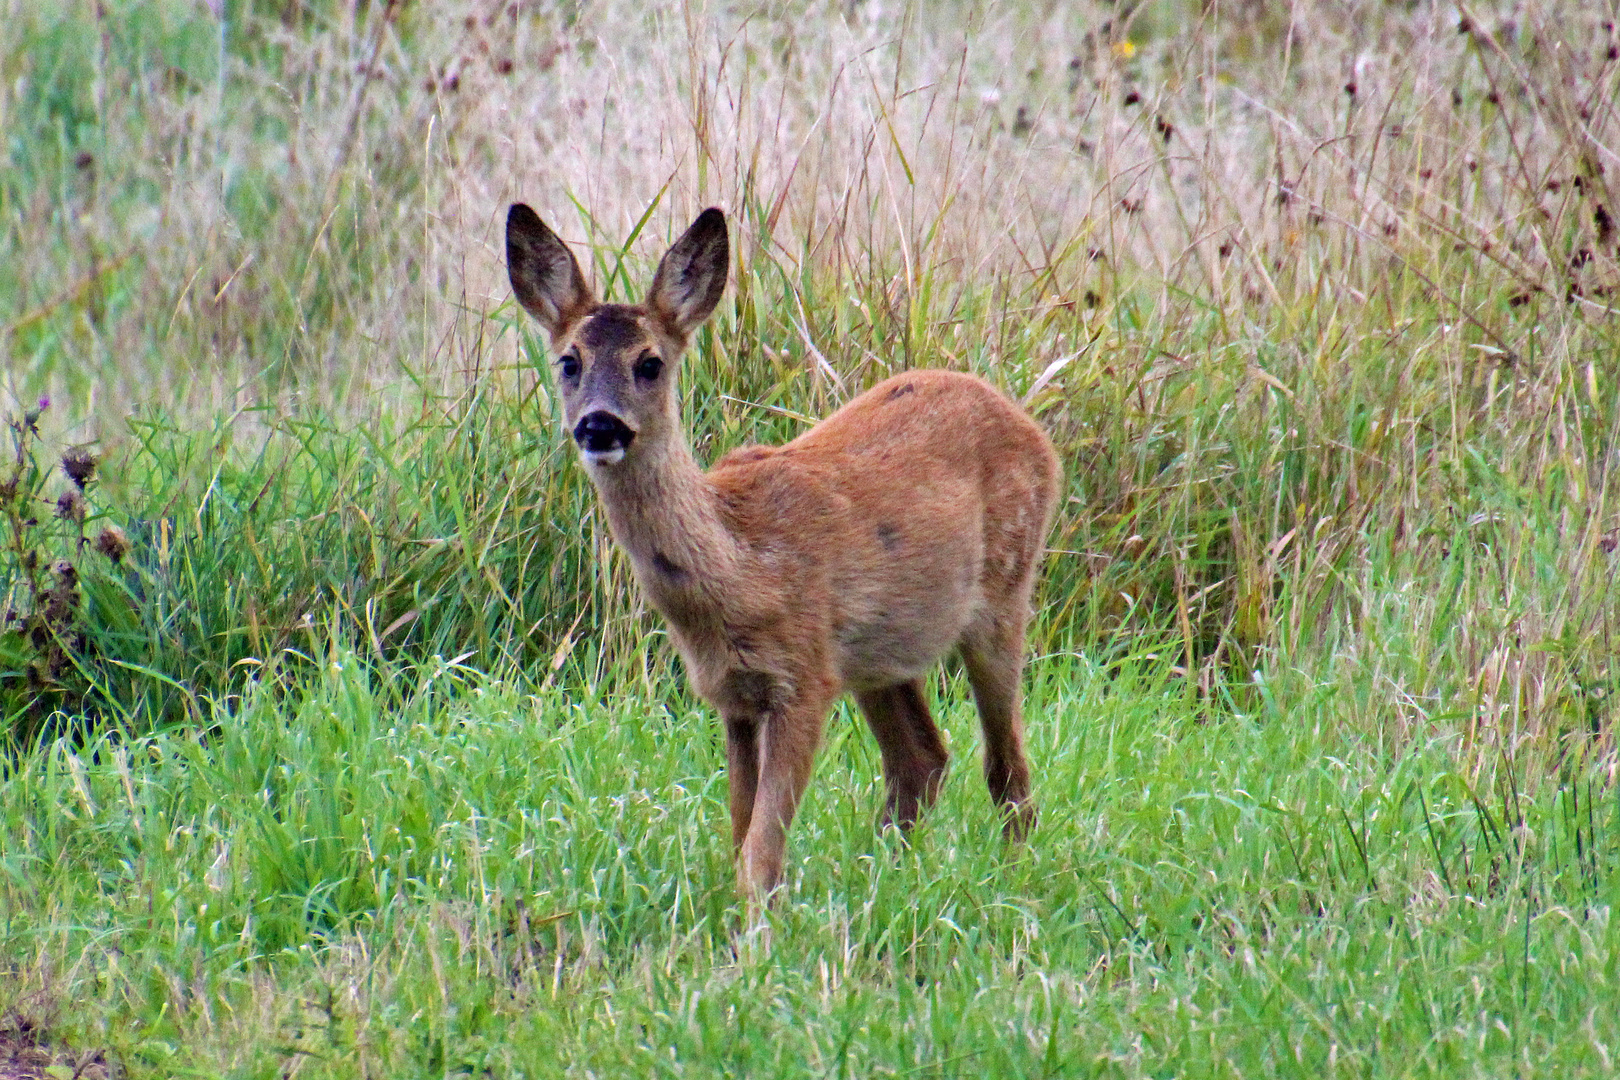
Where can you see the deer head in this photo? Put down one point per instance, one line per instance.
(615, 364)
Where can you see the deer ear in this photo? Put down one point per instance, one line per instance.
(692, 276)
(544, 273)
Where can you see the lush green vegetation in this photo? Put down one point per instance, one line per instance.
(440, 874)
(363, 756)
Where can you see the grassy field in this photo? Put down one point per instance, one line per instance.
(363, 757)
(441, 875)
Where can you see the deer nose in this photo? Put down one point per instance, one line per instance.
(602, 433)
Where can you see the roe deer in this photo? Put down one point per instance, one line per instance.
(854, 557)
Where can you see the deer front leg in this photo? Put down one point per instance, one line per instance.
(742, 774)
(787, 749)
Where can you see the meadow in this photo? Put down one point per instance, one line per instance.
(337, 741)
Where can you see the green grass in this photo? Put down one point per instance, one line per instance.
(370, 759)
(444, 875)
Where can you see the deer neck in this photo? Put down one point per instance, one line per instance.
(665, 514)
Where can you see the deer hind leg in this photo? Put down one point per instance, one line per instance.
(993, 653)
(914, 755)
(788, 736)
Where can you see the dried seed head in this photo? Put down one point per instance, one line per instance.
(70, 506)
(112, 543)
(59, 605)
(60, 664)
(80, 465)
(65, 571)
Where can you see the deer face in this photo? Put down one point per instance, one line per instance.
(616, 363)
(617, 383)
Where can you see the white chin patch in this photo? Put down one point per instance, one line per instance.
(603, 457)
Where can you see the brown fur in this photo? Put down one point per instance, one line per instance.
(908, 523)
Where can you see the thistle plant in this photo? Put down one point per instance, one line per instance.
(42, 631)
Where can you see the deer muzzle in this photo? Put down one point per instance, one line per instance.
(602, 437)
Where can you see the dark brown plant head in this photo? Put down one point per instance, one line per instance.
(70, 505)
(80, 465)
(112, 543)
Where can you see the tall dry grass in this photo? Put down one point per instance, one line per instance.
(328, 200)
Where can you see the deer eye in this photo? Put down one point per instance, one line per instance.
(570, 366)
(648, 367)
